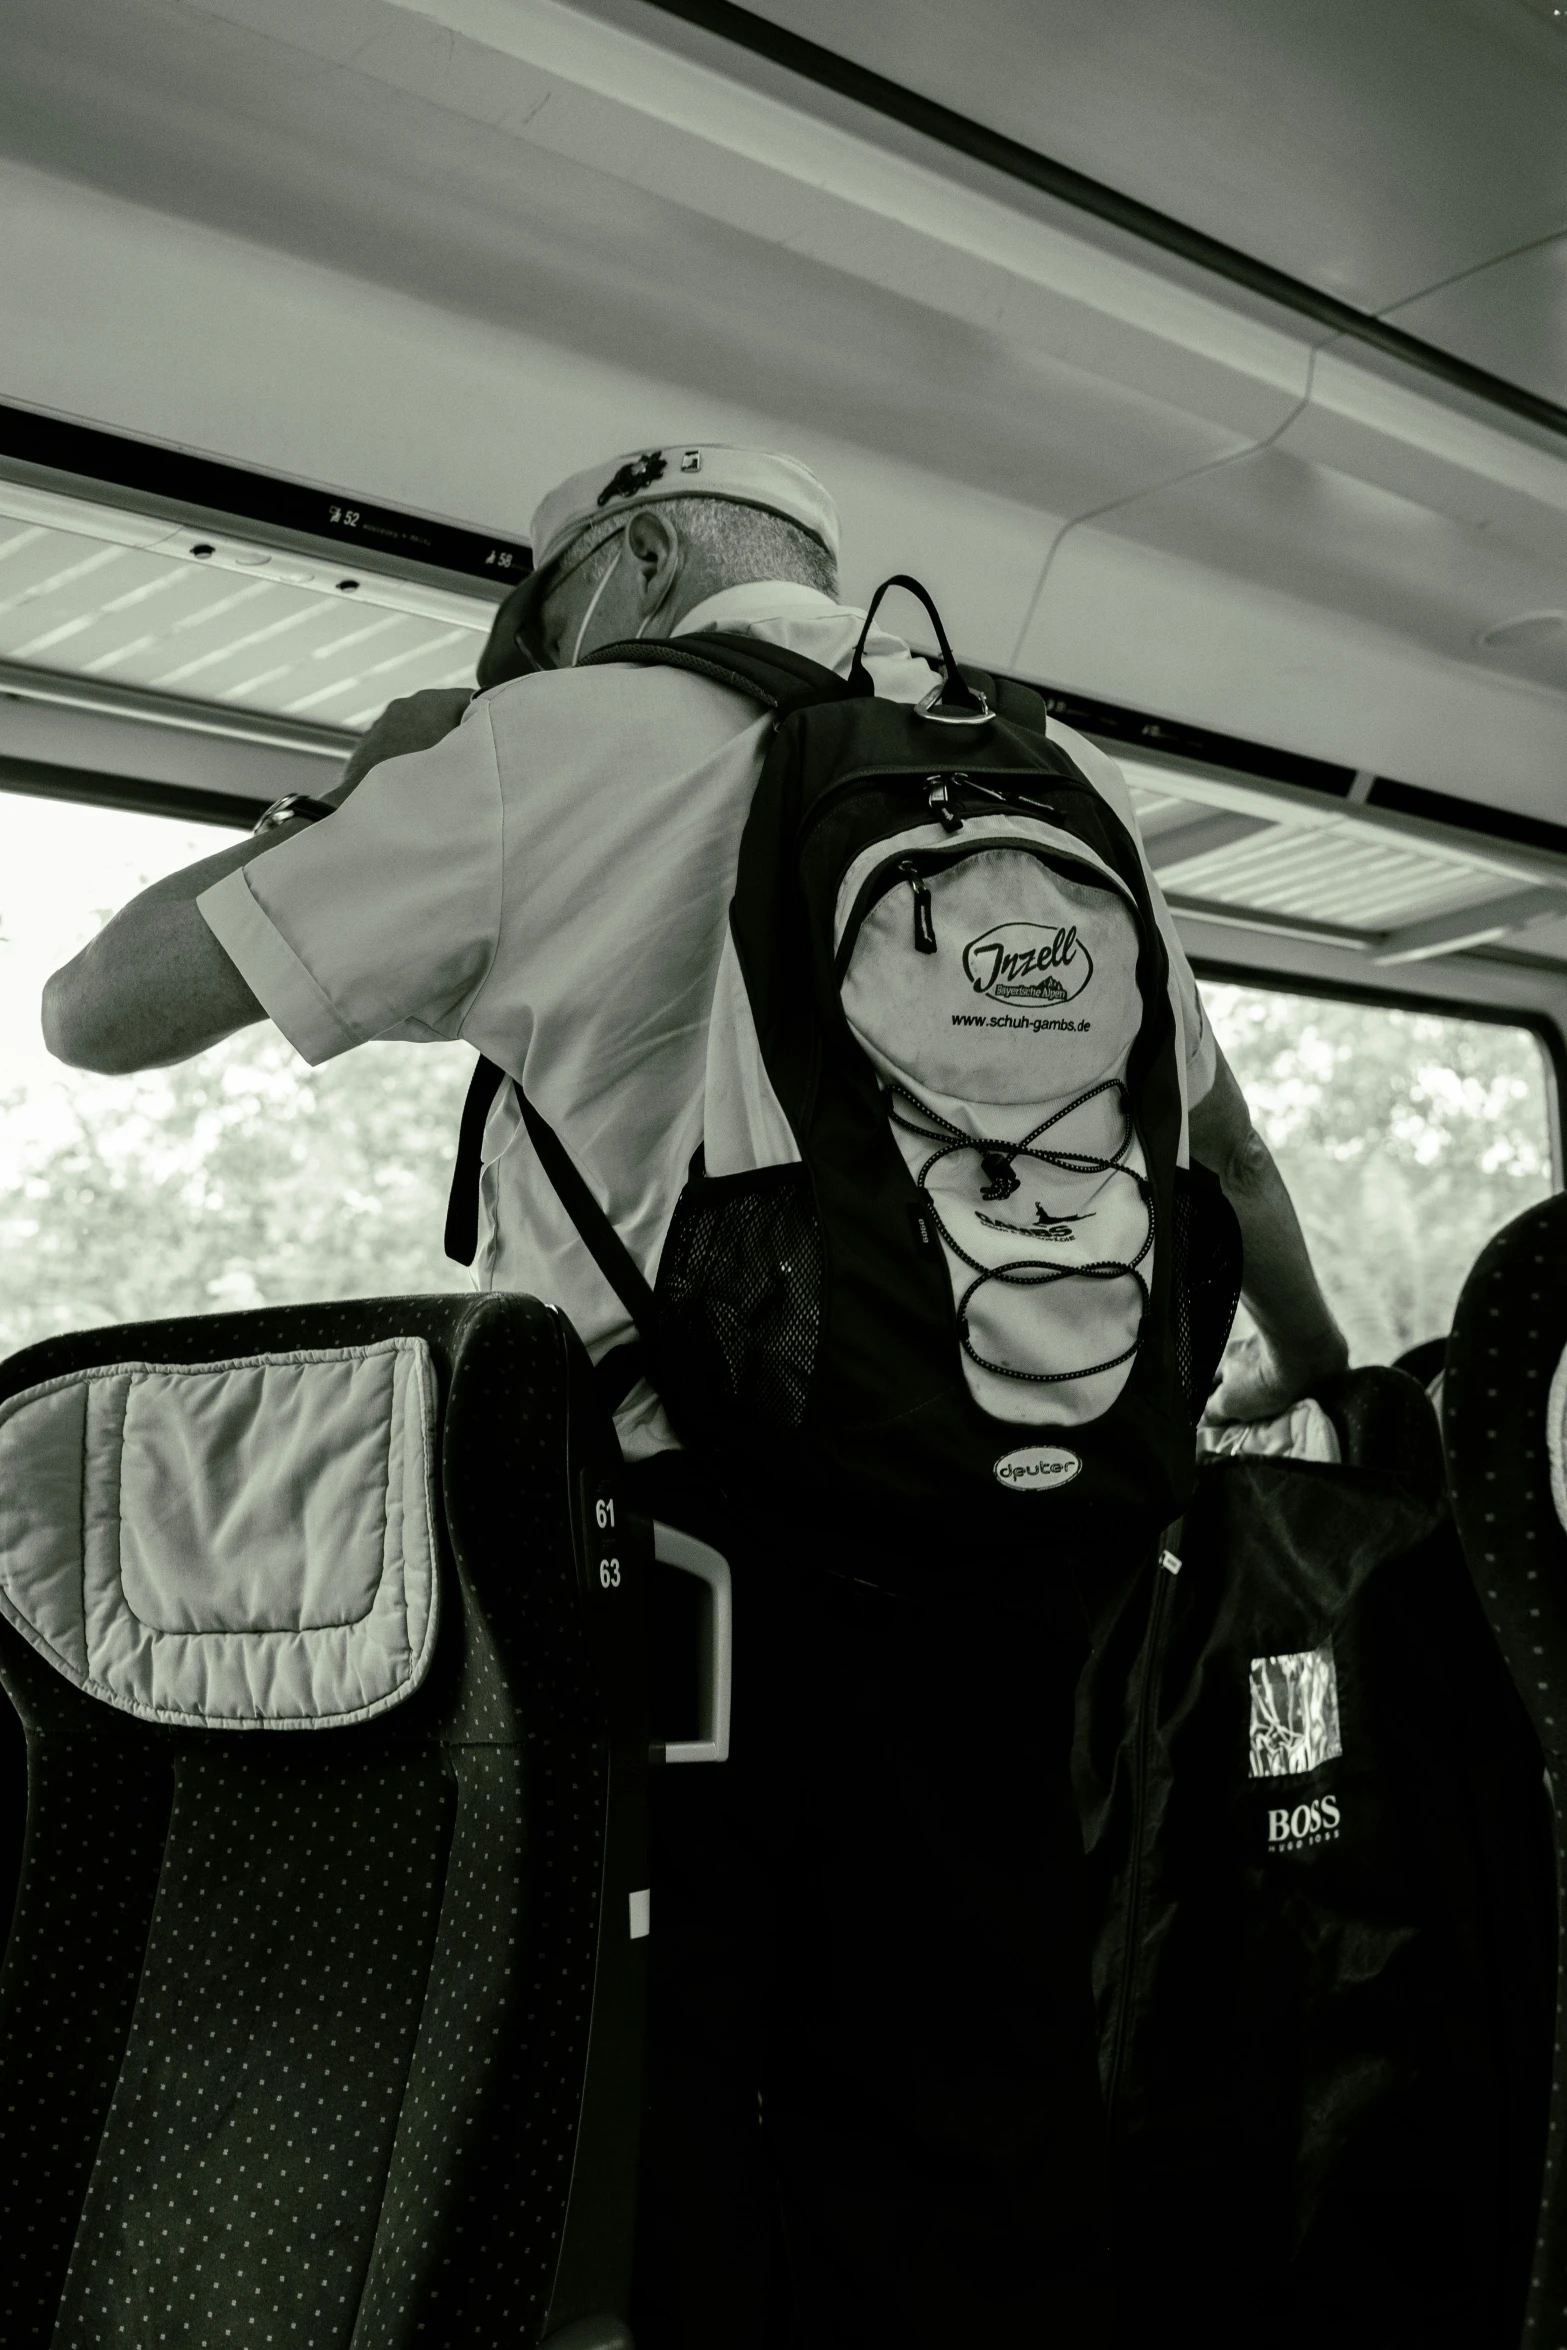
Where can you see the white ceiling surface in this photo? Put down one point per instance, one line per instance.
(444, 251)
(1380, 153)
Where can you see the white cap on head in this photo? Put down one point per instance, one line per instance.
(750, 477)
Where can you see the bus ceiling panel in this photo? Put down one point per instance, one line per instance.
(1372, 153)
(969, 377)
(529, 164)
(112, 600)
(1241, 633)
(1449, 548)
(1511, 315)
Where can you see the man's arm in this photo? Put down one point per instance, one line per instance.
(1297, 1340)
(154, 986)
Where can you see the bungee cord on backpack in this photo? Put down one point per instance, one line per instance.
(1033, 1273)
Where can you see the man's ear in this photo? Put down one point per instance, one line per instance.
(656, 550)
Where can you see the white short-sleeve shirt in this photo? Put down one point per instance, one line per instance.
(551, 883)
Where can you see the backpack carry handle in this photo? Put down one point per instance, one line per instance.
(963, 706)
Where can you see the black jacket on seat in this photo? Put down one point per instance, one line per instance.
(334, 2037)
(1325, 1990)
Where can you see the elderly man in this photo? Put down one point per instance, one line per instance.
(873, 2110)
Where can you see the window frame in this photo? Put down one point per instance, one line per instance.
(1382, 997)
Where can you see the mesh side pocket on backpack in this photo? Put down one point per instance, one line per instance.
(1205, 1280)
(739, 1294)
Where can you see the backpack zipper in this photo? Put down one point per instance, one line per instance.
(885, 876)
(947, 777)
(1142, 1738)
(938, 798)
(924, 920)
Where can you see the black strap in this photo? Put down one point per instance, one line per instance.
(956, 693)
(618, 1371)
(786, 681)
(598, 1235)
(462, 1204)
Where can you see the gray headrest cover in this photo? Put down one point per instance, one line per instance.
(1556, 1439)
(1303, 1433)
(246, 1545)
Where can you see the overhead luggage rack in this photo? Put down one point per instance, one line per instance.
(188, 637)
(154, 606)
(110, 596)
(1391, 890)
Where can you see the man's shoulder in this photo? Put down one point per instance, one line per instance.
(571, 711)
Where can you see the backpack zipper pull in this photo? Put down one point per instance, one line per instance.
(924, 920)
(938, 795)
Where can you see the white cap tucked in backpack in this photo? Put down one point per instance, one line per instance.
(750, 477)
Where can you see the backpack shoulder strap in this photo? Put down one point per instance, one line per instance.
(1016, 703)
(619, 1370)
(785, 681)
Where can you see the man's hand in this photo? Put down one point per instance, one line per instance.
(415, 723)
(1256, 1385)
(1297, 1341)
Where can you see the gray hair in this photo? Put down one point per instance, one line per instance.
(741, 542)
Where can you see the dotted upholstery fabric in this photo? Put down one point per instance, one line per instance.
(98, 1819)
(13, 1810)
(1509, 1332)
(239, 2175)
(294, 2030)
(492, 2114)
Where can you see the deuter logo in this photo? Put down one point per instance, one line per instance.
(1316, 1822)
(1028, 963)
(1037, 1468)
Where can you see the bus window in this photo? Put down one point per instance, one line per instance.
(242, 1178)
(1406, 1138)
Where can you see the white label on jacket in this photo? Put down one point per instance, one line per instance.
(1294, 1713)
(1037, 1468)
(1316, 1822)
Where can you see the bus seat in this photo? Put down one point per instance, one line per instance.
(321, 2011)
(1503, 1418)
(13, 1810)
(1424, 1362)
(1319, 1869)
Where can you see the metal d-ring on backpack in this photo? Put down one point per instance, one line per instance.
(940, 1239)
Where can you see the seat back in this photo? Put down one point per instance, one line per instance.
(320, 2015)
(1504, 1411)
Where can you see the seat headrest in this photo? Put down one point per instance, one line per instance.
(241, 1545)
(1556, 1439)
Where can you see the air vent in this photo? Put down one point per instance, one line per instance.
(1529, 628)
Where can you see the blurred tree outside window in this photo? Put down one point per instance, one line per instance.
(242, 1178)
(1406, 1138)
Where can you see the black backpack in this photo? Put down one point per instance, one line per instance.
(936, 1247)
